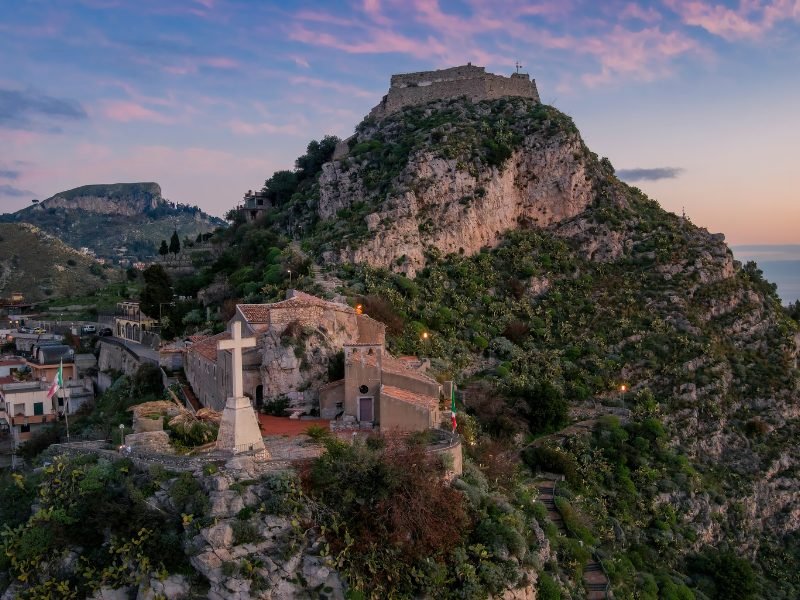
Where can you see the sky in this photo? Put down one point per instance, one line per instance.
(697, 102)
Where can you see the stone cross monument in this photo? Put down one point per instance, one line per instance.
(238, 430)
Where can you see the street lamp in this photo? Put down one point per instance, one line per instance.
(290, 276)
(121, 434)
(623, 388)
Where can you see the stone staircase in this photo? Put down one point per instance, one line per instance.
(595, 581)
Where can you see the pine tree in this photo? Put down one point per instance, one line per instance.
(164, 249)
(175, 243)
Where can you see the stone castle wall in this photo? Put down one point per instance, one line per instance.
(409, 89)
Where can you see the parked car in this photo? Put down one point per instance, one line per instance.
(88, 329)
(24, 330)
(106, 331)
(40, 330)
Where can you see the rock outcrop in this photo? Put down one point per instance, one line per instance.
(116, 198)
(450, 200)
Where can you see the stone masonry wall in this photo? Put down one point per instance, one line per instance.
(410, 89)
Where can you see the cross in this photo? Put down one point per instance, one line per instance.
(237, 343)
(519, 66)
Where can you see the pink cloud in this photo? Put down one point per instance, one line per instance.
(637, 12)
(751, 20)
(240, 127)
(127, 111)
(642, 55)
(342, 88)
(187, 66)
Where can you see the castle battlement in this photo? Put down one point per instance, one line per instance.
(410, 89)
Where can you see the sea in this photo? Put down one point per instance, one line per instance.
(780, 264)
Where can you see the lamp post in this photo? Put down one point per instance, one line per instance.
(623, 388)
(290, 277)
(121, 434)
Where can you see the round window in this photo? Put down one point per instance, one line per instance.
(363, 389)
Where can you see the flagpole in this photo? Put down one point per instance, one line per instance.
(66, 412)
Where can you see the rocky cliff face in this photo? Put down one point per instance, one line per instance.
(455, 194)
(118, 198)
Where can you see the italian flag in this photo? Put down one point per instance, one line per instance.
(58, 381)
(453, 405)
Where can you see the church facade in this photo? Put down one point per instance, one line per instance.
(296, 341)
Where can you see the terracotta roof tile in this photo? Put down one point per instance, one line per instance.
(422, 400)
(207, 348)
(255, 313)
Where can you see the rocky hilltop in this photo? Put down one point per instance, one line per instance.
(105, 217)
(492, 227)
(472, 172)
(116, 198)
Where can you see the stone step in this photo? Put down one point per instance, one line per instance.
(592, 566)
(595, 587)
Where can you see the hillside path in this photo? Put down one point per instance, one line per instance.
(595, 581)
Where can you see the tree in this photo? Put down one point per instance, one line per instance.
(164, 249)
(157, 290)
(175, 243)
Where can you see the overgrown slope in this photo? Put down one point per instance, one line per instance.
(107, 216)
(591, 286)
(41, 266)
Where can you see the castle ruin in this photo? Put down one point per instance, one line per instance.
(410, 89)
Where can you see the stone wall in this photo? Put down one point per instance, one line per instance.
(405, 416)
(411, 89)
(117, 357)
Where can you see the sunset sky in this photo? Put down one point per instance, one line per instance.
(696, 102)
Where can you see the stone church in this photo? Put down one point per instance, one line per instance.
(297, 339)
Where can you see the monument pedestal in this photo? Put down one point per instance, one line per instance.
(238, 430)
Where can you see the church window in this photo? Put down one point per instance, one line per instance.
(363, 389)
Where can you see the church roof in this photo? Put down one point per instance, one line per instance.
(409, 397)
(207, 347)
(259, 313)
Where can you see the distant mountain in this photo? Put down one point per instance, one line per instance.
(127, 219)
(40, 266)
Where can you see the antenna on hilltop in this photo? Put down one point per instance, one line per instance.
(518, 66)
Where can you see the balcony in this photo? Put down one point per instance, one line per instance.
(33, 419)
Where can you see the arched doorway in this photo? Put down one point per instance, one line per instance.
(259, 396)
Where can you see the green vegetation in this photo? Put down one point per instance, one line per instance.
(396, 532)
(134, 540)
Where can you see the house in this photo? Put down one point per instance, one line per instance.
(47, 357)
(25, 408)
(10, 365)
(130, 323)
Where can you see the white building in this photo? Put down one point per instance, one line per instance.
(25, 408)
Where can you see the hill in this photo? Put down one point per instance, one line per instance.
(41, 266)
(493, 228)
(592, 335)
(107, 217)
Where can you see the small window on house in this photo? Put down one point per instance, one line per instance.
(38, 408)
(24, 428)
(371, 352)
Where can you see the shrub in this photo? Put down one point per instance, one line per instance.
(244, 532)
(548, 589)
(318, 433)
(277, 406)
(551, 460)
